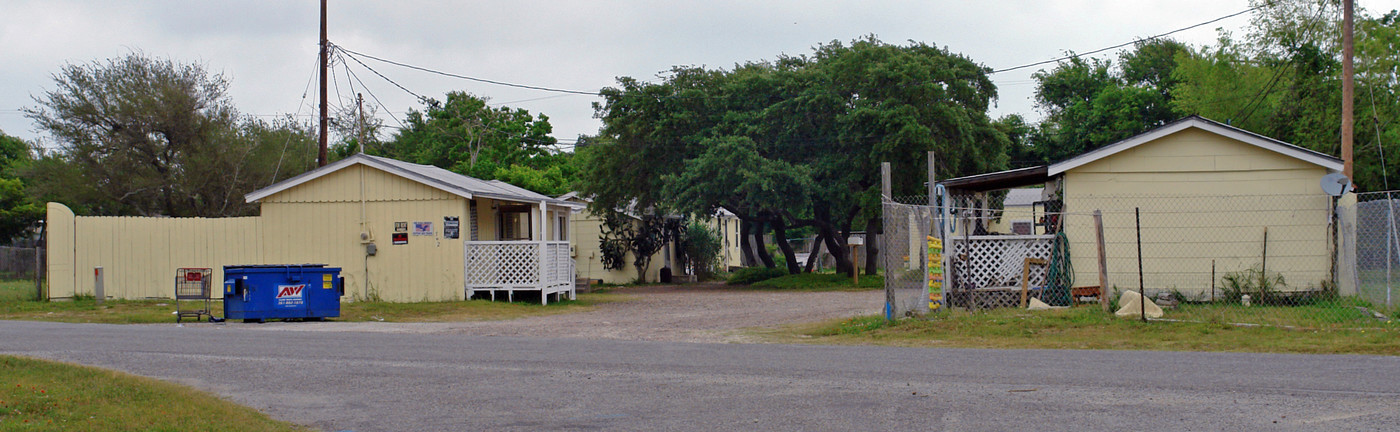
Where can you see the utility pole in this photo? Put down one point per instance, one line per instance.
(360, 106)
(325, 54)
(1348, 87)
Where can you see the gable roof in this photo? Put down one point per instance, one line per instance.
(1202, 123)
(438, 178)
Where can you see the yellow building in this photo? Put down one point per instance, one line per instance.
(398, 231)
(588, 228)
(1211, 200)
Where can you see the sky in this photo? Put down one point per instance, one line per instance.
(267, 49)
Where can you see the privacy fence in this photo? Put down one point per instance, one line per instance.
(1308, 261)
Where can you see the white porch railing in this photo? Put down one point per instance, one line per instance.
(998, 260)
(519, 266)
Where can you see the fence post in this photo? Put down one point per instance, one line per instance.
(885, 189)
(1142, 288)
(1389, 244)
(1103, 261)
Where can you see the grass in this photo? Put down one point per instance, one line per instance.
(1086, 327)
(819, 282)
(39, 395)
(16, 303)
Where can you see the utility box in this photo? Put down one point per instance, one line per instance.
(296, 291)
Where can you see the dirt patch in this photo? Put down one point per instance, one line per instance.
(683, 313)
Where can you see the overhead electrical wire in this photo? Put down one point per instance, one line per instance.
(557, 143)
(351, 72)
(469, 78)
(353, 55)
(304, 92)
(1159, 36)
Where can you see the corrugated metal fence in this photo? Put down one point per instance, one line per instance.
(140, 255)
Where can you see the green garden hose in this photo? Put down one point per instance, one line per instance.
(1059, 276)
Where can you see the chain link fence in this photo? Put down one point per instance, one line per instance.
(1371, 243)
(1303, 261)
(904, 257)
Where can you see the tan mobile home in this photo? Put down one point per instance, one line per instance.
(588, 229)
(398, 231)
(1213, 199)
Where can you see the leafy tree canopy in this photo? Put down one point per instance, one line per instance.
(466, 135)
(145, 136)
(796, 141)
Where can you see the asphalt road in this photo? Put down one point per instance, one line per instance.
(398, 382)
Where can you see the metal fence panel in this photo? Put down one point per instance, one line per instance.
(904, 258)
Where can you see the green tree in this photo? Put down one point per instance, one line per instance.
(794, 142)
(467, 136)
(145, 136)
(1090, 103)
(18, 212)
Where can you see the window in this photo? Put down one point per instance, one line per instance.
(515, 223)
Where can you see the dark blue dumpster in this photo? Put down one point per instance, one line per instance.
(297, 291)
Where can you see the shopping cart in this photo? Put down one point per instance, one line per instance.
(192, 286)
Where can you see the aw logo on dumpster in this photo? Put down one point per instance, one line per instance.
(290, 295)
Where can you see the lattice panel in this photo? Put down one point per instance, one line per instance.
(559, 267)
(998, 260)
(499, 265)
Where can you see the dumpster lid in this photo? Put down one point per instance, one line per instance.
(273, 266)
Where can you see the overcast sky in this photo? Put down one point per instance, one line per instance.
(267, 49)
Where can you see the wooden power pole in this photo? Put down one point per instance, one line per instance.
(1348, 87)
(325, 54)
(360, 108)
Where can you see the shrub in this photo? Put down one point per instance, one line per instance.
(749, 275)
(702, 247)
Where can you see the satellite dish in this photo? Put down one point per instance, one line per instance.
(1336, 184)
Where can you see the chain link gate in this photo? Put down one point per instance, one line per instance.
(905, 256)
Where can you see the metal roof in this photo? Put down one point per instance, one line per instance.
(1040, 174)
(1022, 197)
(1208, 125)
(441, 179)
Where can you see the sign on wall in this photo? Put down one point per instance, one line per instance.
(400, 238)
(451, 227)
(422, 228)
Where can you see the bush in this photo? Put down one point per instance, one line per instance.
(703, 246)
(749, 275)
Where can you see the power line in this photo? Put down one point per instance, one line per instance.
(373, 96)
(348, 53)
(1126, 43)
(481, 80)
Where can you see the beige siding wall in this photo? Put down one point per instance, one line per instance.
(1200, 194)
(586, 230)
(1012, 214)
(139, 255)
(318, 222)
(732, 253)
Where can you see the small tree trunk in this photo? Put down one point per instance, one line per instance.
(746, 257)
(872, 246)
(815, 253)
(760, 248)
(837, 245)
(780, 237)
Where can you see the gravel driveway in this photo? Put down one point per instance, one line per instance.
(707, 312)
